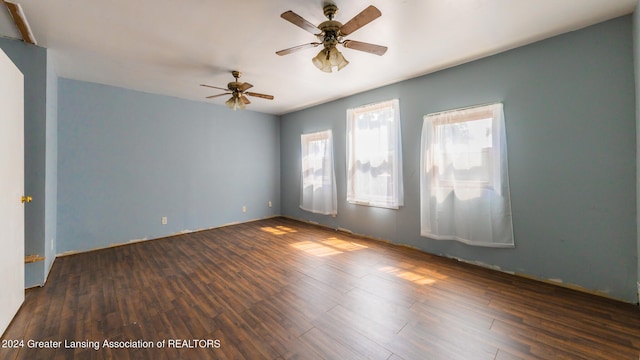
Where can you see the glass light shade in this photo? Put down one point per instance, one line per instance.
(240, 104)
(336, 59)
(327, 59)
(321, 61)
(231, 103)
(235, 103)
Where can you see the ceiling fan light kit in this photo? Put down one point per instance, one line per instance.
(235, 103)
(328, 59)
(331, 34)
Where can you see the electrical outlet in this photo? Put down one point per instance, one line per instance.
(51, 244)
(270, 204)
(164, 220)
(244, 209)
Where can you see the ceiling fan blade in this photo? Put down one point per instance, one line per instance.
(215, 87)
(366, 47)
(264, 96)
(366, 16)
(299, 21)
(296, 48)
(215, 96)
(245, 86)
(245, 100)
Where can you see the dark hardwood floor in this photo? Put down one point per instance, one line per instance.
(281, 289)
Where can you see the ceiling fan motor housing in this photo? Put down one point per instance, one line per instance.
(234, 85)
(330, 35)
(331, 28)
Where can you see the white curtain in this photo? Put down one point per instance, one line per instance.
(464, 183)
(374, 155)
(318, 183)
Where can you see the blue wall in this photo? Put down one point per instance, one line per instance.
(38, 130)
(570, 120)
(126, 159)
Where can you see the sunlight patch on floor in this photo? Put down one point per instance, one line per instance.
(343, 245)
(408, 275)
(316, 249)
(421, 270)
(330, 246)
(278, 230)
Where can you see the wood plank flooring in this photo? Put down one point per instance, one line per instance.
(281, 289)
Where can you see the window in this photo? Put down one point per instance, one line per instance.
(318, 183)
(374, 155)
(464, 183)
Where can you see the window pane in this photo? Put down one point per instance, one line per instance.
(374, 155)
(313, 162)
(463, 152)
(318, 186)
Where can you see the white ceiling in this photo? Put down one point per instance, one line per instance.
(170, 47)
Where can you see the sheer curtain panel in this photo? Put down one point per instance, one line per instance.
(318, 183)
(464, 183)
(374, 155)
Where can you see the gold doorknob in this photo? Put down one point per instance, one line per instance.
(26, 199)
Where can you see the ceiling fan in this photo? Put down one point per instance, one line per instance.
(331, 34)
(237, 90)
